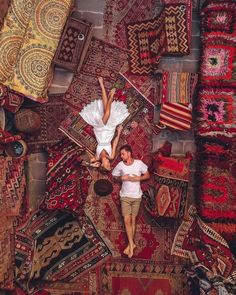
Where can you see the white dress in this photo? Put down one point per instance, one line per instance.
(93, 112)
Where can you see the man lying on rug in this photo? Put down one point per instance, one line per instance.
(130, 172)
(105, 115)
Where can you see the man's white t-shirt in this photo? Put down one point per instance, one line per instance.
(130, 189)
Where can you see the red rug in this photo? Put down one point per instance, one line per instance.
(218, 67)
(7, 275)
(177, 28)
(13, 189)
(146, 43)
(102, 59)
(138, 278)
(67, 180)
(219, 16)
(190, 5)
(145, 84)
(198, 242)
(215, 107)
(178, 87)
(52, 113)
(216, 178)
(167, 197)
(118, 14)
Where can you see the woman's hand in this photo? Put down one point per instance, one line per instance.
(119, 129)
(100, 80)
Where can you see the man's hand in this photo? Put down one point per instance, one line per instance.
(132, 178)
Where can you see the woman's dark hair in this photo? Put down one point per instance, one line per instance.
(127, 148)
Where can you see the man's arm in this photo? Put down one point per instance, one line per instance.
(135, 178)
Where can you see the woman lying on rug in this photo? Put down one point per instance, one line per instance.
(105, 115)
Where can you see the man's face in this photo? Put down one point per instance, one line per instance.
(124, 155)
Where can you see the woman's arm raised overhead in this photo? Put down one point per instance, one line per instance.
(116, 141)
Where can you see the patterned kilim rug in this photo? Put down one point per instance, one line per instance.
(216, 178)
(198, 242)
(6, 253)
(146, 43)
(67, 180)
(144, 84)
(102, 59)
(189, 4)
(177, 29)
(119, 13)
(168, 197)
(138, 278)
(52, 114)
(13, 188)
(82, 133)
(60, 246)
(178, 87)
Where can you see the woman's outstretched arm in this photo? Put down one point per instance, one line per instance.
(116, 141)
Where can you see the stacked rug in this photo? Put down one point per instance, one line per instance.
(215, 116)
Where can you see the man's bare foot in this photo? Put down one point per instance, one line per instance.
(126, 251)
(131, 250)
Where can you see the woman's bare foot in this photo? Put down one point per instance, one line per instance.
(131, 250)
(126, 251)
(111, 94)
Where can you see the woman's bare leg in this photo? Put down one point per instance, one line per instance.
(107, 110)
(104, 94)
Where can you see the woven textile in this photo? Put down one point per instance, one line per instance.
(86, 284)
(215, 107)
(178, 87)
(218, 66)
(7, 275)
(190, 5)
(4, 4)
(144, 84)
(176, 116)
(13, 189)
(67, 180)
(33, 38)
(60, 246)
(219, 16)
(73, 44)
(135, 277)
(215, 178)
(146, 43)
(176, 29)
(167, 198)
(202, 245)
(118, 14)
(82, 133)
(52, 113)
(10, 100)
(102, 59)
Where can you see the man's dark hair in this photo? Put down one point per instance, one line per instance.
(127, 148)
